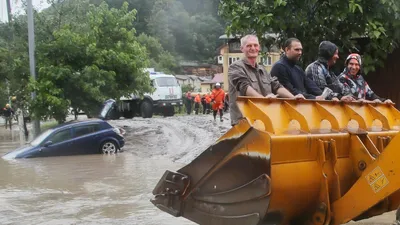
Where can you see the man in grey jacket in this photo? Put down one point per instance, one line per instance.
(247, 78)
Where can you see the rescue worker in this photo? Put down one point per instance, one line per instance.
(189, 103)
(203, 103)
(208, 103)
(217, 98)
(8, 114)
(197, 102)
(292, 76)
(248, 78)
(320, 71)
(354, 83)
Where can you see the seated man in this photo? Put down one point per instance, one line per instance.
(291, 76)
(319, 71)
(354, 84)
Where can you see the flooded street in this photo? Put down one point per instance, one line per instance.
(103, 189)
(107, 189)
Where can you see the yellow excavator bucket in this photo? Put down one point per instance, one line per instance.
(292, 162)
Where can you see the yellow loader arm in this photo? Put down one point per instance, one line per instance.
(292, 162)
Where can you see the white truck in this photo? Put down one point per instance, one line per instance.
(167, 94)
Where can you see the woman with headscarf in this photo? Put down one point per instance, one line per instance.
(354, 83)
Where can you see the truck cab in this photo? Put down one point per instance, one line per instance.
(167, 94)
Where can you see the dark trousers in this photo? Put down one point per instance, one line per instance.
(189, 108)
(8, 121)
(220, 113)
(196, 107)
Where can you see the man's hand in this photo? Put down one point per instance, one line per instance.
(335, 99)
(365, 100)
(388, 101)
(320, 98)
(377, 100)
(299, 96)
(271, 96)
(347, 98)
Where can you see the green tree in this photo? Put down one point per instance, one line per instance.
(160, 59)
(313, 21)
(81, 65)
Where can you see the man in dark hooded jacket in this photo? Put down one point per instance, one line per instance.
(320, 71)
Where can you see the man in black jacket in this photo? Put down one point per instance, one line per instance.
(292, 76)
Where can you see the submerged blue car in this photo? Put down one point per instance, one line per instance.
(73, 138)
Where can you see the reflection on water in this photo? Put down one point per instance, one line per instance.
(91, 189)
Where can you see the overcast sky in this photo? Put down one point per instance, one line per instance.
(16, 7)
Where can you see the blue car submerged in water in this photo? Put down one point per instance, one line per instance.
(73, 138)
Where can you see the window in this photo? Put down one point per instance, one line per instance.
(166, 81)
(41, 137)
(233, 59)
(86, 129)
(268, 61)
(61, 136)
(220, 58)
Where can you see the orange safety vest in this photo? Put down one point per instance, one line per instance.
(197, 99)
(208, 99)
(218, 95)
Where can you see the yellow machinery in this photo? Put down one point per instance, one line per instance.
(292, 162)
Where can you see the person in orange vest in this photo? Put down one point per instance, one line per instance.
(217, 97)
(197, 101)
(208, 103)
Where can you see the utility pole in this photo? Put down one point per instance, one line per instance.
(31, 37)
(11, 37)
(9, 11)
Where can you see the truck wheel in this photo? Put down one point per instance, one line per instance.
(169, 111)
(128, 114)
(146, 109)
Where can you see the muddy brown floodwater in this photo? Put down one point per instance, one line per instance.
(108, 189)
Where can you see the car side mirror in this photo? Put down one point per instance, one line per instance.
(48, 143)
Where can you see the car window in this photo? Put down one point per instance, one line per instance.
(86, 129)
(61, 136)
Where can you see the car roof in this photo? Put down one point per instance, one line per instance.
(73, 123)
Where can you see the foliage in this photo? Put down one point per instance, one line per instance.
(160, 59)
(186, 88)
(312, 21)
(185, 29)
(85, 54)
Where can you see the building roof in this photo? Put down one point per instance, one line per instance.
(191, 77)
(218, 78)
(181, 77)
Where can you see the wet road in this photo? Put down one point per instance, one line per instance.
(107, 189)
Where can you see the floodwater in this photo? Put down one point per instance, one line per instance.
(102, 189)
(107, 189)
